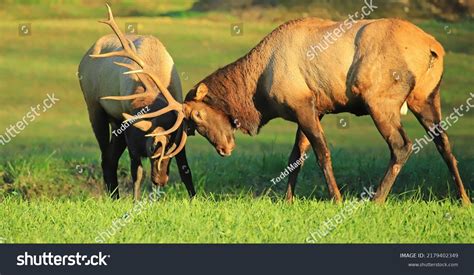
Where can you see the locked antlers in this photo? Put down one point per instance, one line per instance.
(145, 74)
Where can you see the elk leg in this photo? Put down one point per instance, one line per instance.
(110, 163)
(311, 127)
(109, 148)
(428, 113)
(137, 175)
(299, 149)
(389, 125)
(185, 172)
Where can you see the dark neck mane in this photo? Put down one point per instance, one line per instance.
(232, 88)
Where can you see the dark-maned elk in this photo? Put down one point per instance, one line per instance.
(103, 78)
(373, 68)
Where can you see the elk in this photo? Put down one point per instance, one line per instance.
(374, 68)
(103, 78)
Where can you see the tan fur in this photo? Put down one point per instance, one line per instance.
(374, 67)
(99, 76)
(327, 79)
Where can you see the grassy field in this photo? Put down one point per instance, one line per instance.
(50, 179)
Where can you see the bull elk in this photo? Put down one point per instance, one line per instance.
(104, 77)
(282, 77)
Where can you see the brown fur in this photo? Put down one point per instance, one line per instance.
(373, 68)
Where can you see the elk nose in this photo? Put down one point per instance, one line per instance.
(224, 152)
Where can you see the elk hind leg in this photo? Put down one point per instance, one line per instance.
(428, 113)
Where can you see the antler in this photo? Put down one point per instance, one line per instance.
(130, 52)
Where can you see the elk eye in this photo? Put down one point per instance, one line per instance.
(235, 123)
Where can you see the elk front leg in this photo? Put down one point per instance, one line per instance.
(138, 175)
(110, 159)
(311, 127)
(299, 149)
(185, 172)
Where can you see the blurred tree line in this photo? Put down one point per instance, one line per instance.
(336, 9)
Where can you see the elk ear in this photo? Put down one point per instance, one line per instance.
(201, 92)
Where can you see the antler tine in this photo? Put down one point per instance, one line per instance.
(161, 155)
(178, 149)
(157, 113)
(184, 137)
(127, 50)
(161, 87)
(175, 127)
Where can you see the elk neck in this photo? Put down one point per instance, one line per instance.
(233, 88)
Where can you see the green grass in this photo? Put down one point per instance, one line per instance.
(50, 179)
(237, 220)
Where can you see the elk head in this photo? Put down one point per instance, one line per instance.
(209, 122)
(217, 127)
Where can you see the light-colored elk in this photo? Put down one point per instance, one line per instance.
(105, 75)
